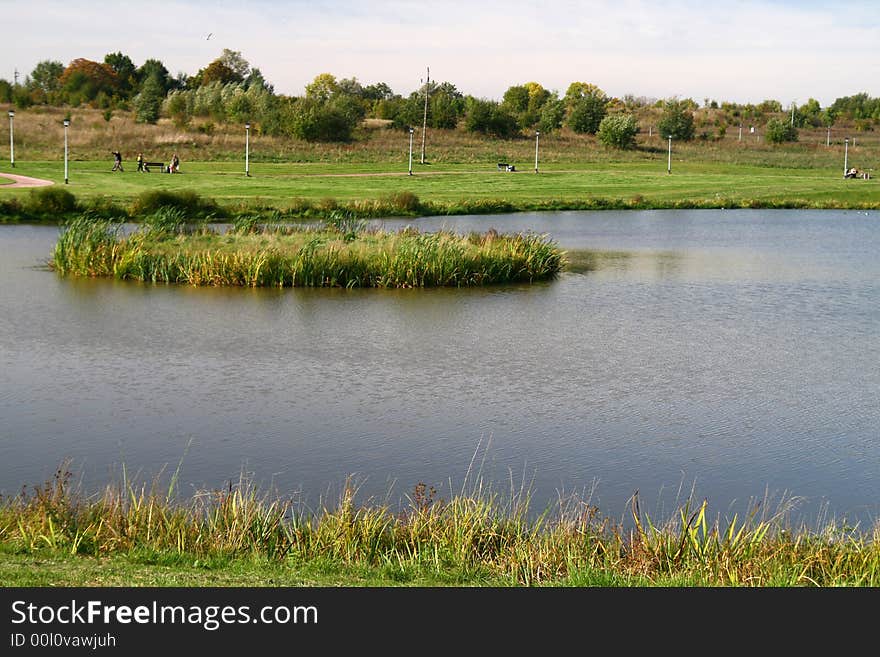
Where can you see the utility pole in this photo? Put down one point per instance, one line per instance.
(792, 114)
(425, 119)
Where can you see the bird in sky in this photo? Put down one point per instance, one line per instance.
(208, 38)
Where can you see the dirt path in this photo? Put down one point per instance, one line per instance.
(24, 181)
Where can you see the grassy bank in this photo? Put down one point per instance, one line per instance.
(460, 175)
(340, 253)
(317, 190)
(52, 534)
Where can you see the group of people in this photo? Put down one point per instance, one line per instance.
(173, 164)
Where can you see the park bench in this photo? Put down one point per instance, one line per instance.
(161, 166)
(504, 166)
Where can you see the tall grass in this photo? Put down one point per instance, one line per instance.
(342, 252)
(475, 533)
(39, 131)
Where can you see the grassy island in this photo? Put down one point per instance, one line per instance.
(340, 252)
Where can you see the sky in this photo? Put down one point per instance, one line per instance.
(744, 52)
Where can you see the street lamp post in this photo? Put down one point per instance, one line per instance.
(537, 136)
(66, 123)
(828, 137)
(669, 157)
(11, 140)
(845, 156)
(247, 149)
(411, 131)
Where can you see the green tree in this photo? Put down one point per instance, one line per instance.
(579, 90)
(155, 68)
(525, 102)
(217, 71)
(587, 113)
(149, 101)
(322, 88)
(125, 70)
(516, 99)
(233, 60)
(810, 113)
(350, 87)
(676, 120)
(312, 120)
(490, 118)
(778, 131)
(618, 131)
(769, 106)
(445, 106)
(46, 76)
(378, 91)
(552, 115)
(255, 79)
(408, 112)
(178, 107)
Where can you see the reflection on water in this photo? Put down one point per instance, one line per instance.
(730, 351)
(582, 261)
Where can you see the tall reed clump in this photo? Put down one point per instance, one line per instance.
(87, 246)
(472, 536)
(341, 252)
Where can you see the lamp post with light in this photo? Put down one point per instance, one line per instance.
(11, 140)
(537, 136)
(66, 124)
(247, 149)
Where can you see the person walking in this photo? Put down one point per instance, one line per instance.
(117, 161)
(140, 161)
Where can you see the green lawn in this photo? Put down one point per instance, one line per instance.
(644, 183)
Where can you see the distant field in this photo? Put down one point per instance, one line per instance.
(641, 183)
(460, 167)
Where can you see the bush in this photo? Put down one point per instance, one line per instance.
(152, 201)
(778, 131)
(489, 118)
(10, 210)
(406, 201)
(316, 121)
(149, 101)
(587, 113)
(676, 121)
(50, 201)
(618, 131)
(552, 116)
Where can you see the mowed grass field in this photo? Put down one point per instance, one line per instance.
(460, 167)
(700, 184)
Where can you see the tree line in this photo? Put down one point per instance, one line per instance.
(229, 90)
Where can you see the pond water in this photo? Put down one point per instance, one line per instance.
(729, 355)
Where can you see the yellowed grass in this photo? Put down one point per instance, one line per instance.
(39, 136)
